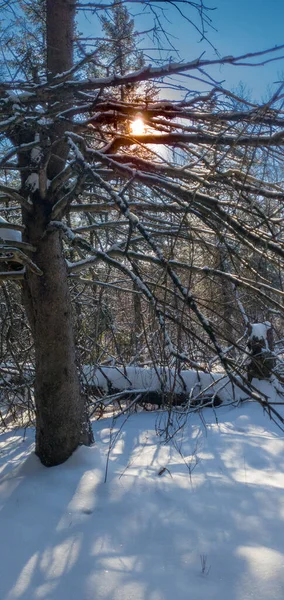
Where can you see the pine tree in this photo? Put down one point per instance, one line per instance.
(120, 51)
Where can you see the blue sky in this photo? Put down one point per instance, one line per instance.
(246, 26)
(242, 26)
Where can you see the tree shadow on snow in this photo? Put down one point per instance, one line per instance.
(195, 520)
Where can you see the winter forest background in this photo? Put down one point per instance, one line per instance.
(141, 305)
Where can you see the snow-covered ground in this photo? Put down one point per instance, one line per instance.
(201, 518)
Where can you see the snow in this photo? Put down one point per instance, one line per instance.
(32, 182)
(77, 152)
(150, 379)
(9, 234)
(260, 333)
(132, 217)
(36, 153)
(199, 518)
(259, 330)
(191, 382)
(7, 122)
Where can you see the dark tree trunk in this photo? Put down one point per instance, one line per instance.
(61, 418)
(60, 15)
(60, 24)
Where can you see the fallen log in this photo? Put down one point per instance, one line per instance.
(158, 386)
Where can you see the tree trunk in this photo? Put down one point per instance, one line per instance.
(261, 349)
(60, 19)
(60, 25)
(61, 419)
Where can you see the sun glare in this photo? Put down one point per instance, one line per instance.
(138, 126)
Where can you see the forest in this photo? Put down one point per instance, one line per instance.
(141, 305)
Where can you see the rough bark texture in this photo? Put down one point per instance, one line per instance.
(61, 419)
(60, 15)
(61, 422)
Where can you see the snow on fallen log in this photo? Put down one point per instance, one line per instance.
(162, 385)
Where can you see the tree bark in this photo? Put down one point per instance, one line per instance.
(60, 16)
(60, 25)
(61, 417)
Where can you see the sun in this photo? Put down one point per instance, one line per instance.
(137, 126)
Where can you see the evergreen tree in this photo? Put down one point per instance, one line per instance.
(120, 51)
